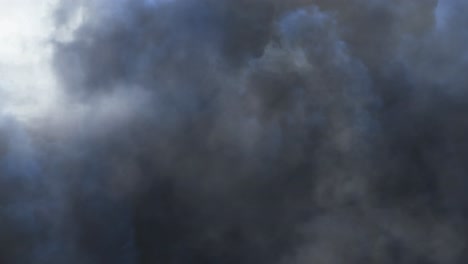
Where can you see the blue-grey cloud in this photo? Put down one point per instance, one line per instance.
(203, 131)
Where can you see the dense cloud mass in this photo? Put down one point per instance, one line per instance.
(245, 131)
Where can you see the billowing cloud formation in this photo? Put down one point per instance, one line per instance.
(203, 131)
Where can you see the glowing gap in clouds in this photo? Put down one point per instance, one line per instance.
(27, 87)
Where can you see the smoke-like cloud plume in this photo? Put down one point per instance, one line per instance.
(235, 131)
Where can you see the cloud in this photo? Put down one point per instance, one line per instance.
(244, 132)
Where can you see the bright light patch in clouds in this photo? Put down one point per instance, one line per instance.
(26, 83)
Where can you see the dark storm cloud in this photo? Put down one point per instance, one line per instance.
(203, 131)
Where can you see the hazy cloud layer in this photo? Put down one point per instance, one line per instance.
(223, 131)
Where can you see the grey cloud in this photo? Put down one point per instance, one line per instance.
(202, 131)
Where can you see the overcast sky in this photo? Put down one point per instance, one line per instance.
(233, 131)
(27, 85)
